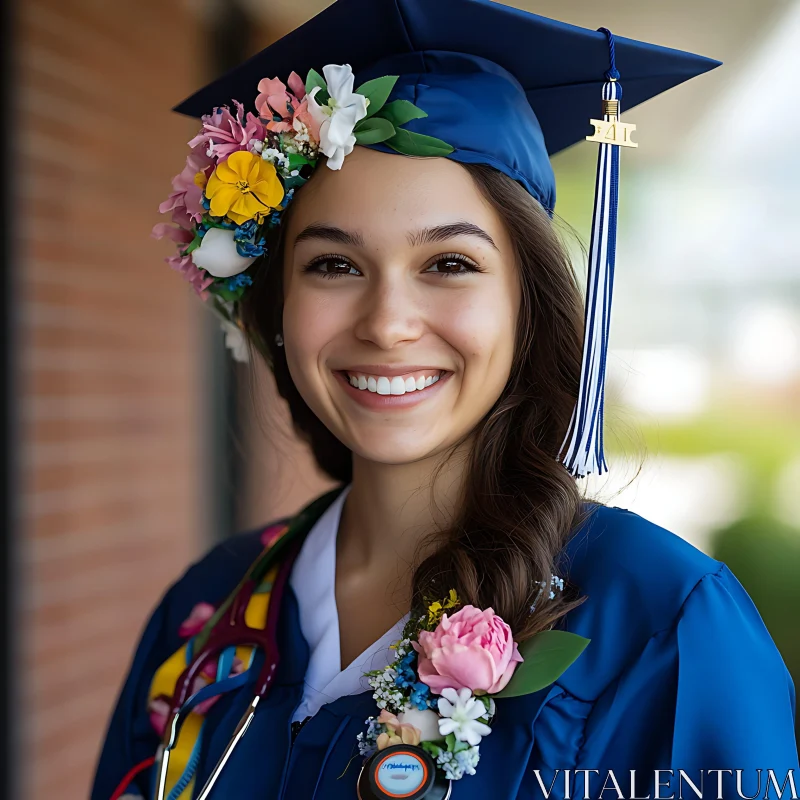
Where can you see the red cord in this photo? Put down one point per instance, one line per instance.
(130, 775)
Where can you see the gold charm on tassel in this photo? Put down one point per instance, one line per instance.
(610, 130)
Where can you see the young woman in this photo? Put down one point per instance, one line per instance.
(424, 324)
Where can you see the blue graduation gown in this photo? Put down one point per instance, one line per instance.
(680, 674)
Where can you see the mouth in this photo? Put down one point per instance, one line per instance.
(400, 389)
(405, 383)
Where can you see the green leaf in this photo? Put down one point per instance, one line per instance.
(430, 747)
(418, 144)
(377, 91)
(296, 160)
(193, 245)
(461, 746)
(547, 656)
(398, 112)
(227, 294)
(372, 131)
(450, 741)
(313, 80)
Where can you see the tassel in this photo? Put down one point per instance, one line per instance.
(584, 440)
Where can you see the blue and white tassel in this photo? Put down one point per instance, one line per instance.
(584, 439)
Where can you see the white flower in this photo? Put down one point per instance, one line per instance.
(457, 765)
(338, 118)
(235, 342)
(426, 721)
(218, 255)
(460, 712)
(275, 156)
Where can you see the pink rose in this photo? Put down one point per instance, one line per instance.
(473, 650)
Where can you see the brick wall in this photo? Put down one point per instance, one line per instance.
(110, 384)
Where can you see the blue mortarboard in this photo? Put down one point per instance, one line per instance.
(505, 88)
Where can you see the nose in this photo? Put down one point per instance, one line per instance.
(389, 314)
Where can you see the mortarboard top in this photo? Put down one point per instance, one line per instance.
(503, 86)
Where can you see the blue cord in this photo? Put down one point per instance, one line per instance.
(224, 665)
(613, 73)
(191, 768)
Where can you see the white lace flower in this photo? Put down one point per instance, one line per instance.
(337, 119)
(460, 712)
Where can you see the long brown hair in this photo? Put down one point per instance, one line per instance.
(520, 505)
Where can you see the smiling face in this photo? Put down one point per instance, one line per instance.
(401, 297)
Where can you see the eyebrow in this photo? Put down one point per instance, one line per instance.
(439, 233)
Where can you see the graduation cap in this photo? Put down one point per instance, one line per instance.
(505, 88)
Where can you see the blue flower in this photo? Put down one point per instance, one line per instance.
(251, 249)
(406, 676)
(246, 231)
(420, 695)
(245, 237)
(239, 280)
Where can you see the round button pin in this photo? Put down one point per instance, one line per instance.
(401, 772)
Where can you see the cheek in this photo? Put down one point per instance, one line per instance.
(482, 329)
(314, 321)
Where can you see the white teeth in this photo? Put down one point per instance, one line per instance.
(396, 385)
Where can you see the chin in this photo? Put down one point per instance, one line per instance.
(394, 451)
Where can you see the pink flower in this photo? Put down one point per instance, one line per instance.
(199, 279)
(197, 618)
(473, 650)
(274, 98)
(396, 732)
(291, 106)
(185, 202)
(163, 230)
(223, 133)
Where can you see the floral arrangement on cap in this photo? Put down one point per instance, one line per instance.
(244, 168)
(439, 693)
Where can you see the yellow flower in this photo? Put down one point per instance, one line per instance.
(437, 609)
(243, 187)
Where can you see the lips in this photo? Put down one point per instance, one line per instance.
(382, 393)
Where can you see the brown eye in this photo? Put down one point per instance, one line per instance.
(453, 264)
(332, 267)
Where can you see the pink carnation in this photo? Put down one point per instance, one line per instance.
(163, 230)
(223, 133)
(473, 649)
(185, 202)
(199, 279)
